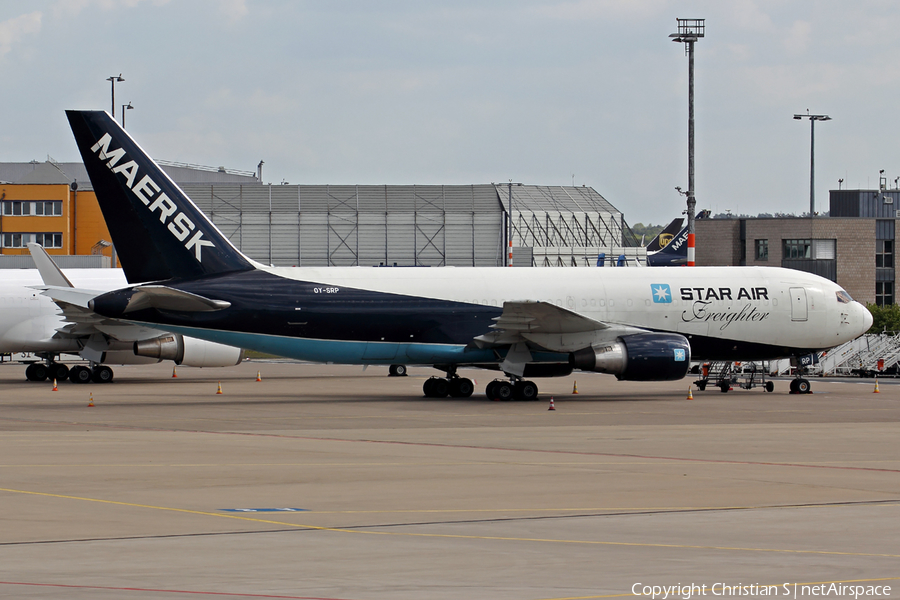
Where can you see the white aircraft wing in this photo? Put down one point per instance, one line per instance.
(81, 321)
(545, 326)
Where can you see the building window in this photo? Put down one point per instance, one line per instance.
(884, 253)
(40, 208)
(794, 249)
(884, 293)
(823, 249)
(762, 249)
(19, 240)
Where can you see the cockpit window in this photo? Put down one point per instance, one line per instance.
(843, 297)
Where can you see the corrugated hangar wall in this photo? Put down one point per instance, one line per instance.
(348, 225)
(412, 225)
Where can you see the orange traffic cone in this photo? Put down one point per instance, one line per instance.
(174, 374)
(876, 387)
(575, 388)
(219, 391)
(552, 407)
(91, 403)
(258, 378)
(54, 385)
(690, 394)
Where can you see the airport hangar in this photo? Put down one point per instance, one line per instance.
(53, 204)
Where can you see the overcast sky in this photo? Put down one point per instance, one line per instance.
(418, 92)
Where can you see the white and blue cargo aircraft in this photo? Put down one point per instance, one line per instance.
(638, 324)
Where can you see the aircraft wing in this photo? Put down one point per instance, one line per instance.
(545, 326)
(81, 321)
(525, 326)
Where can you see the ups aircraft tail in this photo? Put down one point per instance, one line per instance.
(665, 236)
(158, 232)
(673, 253)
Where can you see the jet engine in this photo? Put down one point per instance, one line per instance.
(638, 357)
(189, 351)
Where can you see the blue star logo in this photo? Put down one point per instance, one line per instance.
(680, 355)
(662, 293)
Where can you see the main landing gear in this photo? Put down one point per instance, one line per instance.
(50, 370)
(78, 374)
(454, 386)
(512, 390)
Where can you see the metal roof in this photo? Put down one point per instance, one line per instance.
(50, 171)
(559, 198)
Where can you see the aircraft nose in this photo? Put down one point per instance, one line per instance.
(866, 318)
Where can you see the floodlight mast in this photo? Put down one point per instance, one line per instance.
(689, 31)
(812, 156)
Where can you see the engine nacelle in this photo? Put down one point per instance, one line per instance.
(638, 357)
(189, 351)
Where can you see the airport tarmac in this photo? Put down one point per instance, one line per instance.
(339, 483)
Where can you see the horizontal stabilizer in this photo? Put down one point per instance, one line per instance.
(166, 298)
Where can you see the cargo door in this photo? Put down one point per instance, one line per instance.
(799, 304)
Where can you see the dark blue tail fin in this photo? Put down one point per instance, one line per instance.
(665, 236)
(674, 253)
(158, 232)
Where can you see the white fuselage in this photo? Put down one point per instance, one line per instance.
(746, 304)
(29, 319)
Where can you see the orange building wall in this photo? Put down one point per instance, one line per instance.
(35, 224)
(90, 227)
(81, 223)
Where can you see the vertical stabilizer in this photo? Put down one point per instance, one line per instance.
(158, 232)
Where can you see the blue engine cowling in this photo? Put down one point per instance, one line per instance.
(638, 357)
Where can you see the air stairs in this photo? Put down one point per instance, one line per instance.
(857, 357)
(726, 375)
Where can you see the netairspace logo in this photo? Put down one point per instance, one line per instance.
(791, 590)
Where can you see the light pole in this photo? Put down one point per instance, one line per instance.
(112, 80)
(124, 108)
(812, 156)
(689, 31)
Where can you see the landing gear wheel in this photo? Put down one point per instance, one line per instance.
(525, 390)
(79, 374)
(803, 386)
(35, 372)
(58, 371)
(397, 371)
(436, 387)
(461, 387)
(503, 390)
(793, 386)
(102, 374)
(490, 390)
(770, 386)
